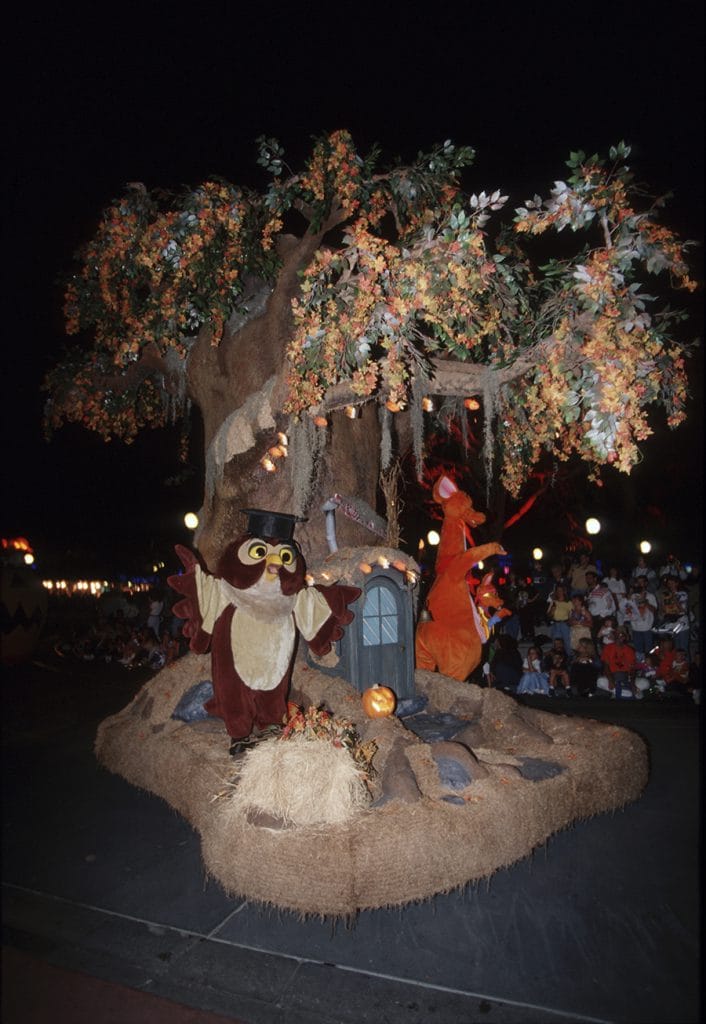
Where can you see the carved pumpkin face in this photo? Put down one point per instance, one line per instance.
(379, 701)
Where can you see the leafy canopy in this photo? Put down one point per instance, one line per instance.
(406, 274)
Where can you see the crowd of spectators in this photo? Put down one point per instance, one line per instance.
(128, 632)
(588, 632)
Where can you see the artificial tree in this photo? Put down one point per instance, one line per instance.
(323, 326)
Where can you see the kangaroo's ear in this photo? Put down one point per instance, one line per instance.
(444, 488)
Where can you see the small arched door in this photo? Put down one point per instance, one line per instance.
(385, 634)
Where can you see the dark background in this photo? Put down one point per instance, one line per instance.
(148, 94)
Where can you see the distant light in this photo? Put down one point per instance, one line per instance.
(472, 404)
(537, 554)
(645, 547)
(688, 568)
(28, 558)
(433, 538)
(593, 526)
(191, 520)
(480, 565)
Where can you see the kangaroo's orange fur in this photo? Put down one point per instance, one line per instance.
(450, 642)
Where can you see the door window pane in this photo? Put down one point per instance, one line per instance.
(380, 624)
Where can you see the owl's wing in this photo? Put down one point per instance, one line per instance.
(321, 613)
(188, 607)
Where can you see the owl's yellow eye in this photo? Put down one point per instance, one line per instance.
(257, 550)
(288, 556)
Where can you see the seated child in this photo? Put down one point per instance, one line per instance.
(585, 669)
(606, 633)
(533, 679)
(559, 675)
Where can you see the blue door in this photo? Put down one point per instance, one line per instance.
(385, 654)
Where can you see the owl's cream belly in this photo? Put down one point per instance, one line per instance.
(261, 650)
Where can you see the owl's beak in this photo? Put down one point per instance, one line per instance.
(273, 564)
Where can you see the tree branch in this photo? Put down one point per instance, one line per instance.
(454, 379)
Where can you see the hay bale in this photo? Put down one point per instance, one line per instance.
(301, 782)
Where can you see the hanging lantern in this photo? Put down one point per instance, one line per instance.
(365, 567)
(320, 421)
(427, 404)
(267, 463)
(394, 406)
(351, 412)
(379, 701)
(472, 404)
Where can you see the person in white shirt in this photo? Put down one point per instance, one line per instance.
(640, 589)
(154, 617)
(615, 584)
(643, 569)
(672, 567)
(599, 599)
(641, 621)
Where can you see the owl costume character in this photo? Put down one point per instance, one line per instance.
(249, 613)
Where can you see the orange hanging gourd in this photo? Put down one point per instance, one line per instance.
(379, 701)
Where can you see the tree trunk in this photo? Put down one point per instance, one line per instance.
(238, 386)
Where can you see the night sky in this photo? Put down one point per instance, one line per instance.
(169, 99)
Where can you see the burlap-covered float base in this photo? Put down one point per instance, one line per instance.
(527, 775)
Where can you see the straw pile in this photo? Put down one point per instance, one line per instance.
(525, 775)
(300, 782)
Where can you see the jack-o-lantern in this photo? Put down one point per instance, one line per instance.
(379, 701)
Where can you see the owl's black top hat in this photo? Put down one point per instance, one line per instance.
(272, 525)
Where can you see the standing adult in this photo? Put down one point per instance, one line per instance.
(558, 611)
(640, 589)
(580, 621)
(615, 583)
(599, 599)
(673, 611)
(577, 574)
(672, 567)
(643, 568)
(641, 621)
(154, 615)
(527, 602)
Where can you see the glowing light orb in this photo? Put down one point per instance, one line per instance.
(191, 520)
(593, 526)
(433, 538)
(645, 547)
(537, 554)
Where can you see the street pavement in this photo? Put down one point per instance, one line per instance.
(108, 915)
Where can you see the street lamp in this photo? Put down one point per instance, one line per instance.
(593, 526)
